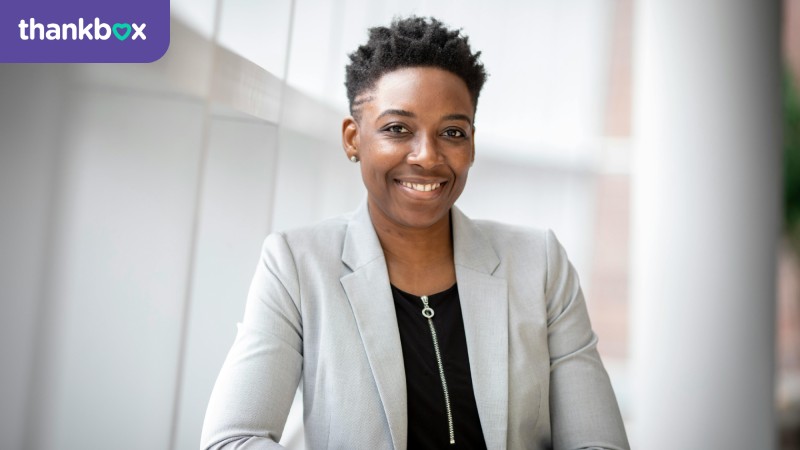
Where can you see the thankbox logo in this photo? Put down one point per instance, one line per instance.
(32, 30)
(77, 31)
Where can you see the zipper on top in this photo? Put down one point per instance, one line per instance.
(427, 312)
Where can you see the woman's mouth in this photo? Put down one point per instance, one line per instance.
(421, 187)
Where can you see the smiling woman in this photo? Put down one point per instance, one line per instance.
(414, 137)
(408, 324)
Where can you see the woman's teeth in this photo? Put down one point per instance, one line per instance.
(421, 187)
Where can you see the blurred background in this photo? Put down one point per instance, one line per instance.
(660, 140)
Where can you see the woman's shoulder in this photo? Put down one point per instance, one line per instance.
(322, 236)
(496, 228)
(506, 235)
(514, 242)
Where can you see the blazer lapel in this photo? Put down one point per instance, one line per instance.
(370, 296)
(484, 307)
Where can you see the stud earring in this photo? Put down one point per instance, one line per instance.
(354, 158)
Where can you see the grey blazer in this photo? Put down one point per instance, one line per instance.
(320, 311)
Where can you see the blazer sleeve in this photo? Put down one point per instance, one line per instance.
(257, 383)
(583, 409)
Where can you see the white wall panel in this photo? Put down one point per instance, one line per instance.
(234, 219)
(258, 30)
(198, 14)
(29, 126)
(119, 266)
(315, 180)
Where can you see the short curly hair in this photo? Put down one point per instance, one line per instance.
(413, 42)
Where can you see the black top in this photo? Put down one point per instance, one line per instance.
(427, 413)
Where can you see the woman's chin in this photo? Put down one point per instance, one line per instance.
(421, 218)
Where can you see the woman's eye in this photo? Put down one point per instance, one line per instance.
(453, 133)
(398, 129)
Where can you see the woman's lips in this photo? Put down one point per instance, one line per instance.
(421, 187)
(421, 190)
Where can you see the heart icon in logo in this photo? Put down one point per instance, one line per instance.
(121, 26)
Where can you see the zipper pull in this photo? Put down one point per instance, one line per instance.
(427, 311)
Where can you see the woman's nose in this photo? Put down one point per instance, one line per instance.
(426, 153)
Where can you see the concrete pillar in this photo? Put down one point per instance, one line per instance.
(706, 218)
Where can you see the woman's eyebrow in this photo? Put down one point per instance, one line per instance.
(404, 113)
(396, 112)
(463, 117)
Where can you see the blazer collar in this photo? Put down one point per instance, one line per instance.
(361, 244)
(471, 248)
(484, 307)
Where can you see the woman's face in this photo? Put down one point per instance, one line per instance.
(415, 140)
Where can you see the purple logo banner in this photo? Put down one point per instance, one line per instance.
(83, 31)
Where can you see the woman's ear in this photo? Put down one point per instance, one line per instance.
(350, 138)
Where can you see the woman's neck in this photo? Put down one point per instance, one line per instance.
(419, 260)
